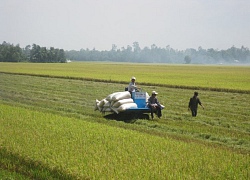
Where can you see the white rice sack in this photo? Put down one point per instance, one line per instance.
(100, 105)
(112, 103)
(106, 109)
(122, 101)
(102, 102)
(96, 104)
(99, 108)
(114, 109)
(109, 97)
(121, 95)
(126, 106)
(107, 104)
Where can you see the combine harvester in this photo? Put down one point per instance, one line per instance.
(123, 106)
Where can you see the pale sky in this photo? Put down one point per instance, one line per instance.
(76, 24)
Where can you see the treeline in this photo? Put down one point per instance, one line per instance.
(156, 54)
(14, 53)
(134, 53)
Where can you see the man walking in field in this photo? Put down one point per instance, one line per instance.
(193, 104)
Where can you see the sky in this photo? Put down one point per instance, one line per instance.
(82, 24)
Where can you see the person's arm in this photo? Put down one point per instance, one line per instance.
(137, 87)
(201, 104)
(157, 102)
(189, 104)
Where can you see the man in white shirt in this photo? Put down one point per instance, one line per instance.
(132, 86)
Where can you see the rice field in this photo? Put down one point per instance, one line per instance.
(235, 78)
(49, 130)
(42, 145)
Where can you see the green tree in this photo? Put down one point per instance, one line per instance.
(187, 59)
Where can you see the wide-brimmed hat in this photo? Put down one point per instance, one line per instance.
(154, 92)
(133, 78)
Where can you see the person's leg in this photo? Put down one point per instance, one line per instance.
(152, 112)
(193, 112)
(159, 112)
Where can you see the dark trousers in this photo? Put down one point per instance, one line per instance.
(194, 112)
(156, 110)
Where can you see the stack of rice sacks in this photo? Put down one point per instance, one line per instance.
(115, 102)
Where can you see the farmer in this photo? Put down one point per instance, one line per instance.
(154, 105)
(132, 87)
(193, 104)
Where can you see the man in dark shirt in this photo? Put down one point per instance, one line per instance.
(154, 105)
(193, 104)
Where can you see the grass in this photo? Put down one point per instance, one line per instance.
(220, 78)
(225, 119)
(6, 175)
(49, 129)
(41, 145)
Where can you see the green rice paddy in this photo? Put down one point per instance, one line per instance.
(49, 129)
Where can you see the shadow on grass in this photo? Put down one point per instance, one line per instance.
(31, 169)
(127, 117)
